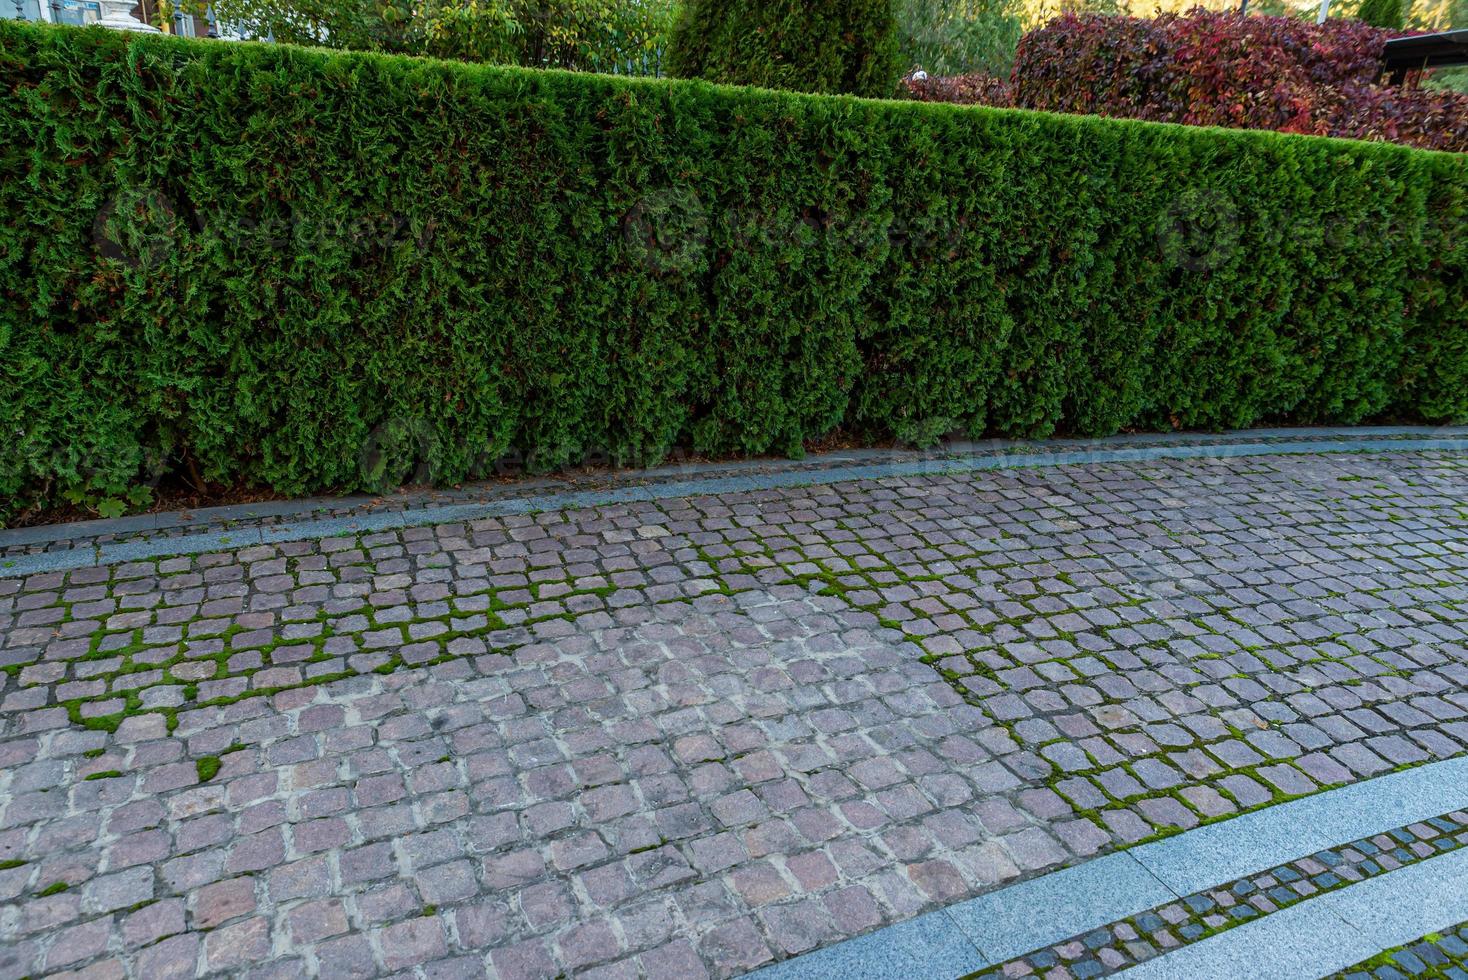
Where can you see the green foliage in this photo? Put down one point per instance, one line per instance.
(828, 46)
(164, 11)
(467, 30)
(959, 37)
(620, 36)
(1437, 15)
(207, 767)
(1451, 79)
(345, 271)
(1383, 13)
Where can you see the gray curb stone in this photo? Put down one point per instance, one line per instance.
(108, 554)
(229, 513)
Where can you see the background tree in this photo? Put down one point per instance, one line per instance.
(959, 37)
(807, 45)
(622, 36)
(1383, 13)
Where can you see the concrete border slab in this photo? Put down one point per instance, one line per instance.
(302, 508)
(1217, 852)
(1022, 917)
(927, 946)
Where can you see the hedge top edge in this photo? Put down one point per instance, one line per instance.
(164, 44)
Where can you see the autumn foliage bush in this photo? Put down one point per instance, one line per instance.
(1219, 69)
(974, 89)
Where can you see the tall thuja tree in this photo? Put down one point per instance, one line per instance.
(829, 46)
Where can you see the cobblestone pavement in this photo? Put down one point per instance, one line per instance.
(698, 735)
(1441, 955)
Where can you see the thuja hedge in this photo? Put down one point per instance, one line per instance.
(286, 267)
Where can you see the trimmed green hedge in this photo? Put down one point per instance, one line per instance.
(308, 270)
(828, 46)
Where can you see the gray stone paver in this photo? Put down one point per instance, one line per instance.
(703, 734)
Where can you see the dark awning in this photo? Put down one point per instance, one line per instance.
(1425, 51)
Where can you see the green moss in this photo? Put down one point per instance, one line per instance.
(207, 767)
(55, 888)
(101, 723)
(108, 774)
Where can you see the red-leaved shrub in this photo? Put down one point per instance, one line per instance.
(976, 89)
(1220, 69)
(1431, 118)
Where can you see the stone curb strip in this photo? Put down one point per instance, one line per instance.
(108, 554)
(327, 506)
(1003, 924)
